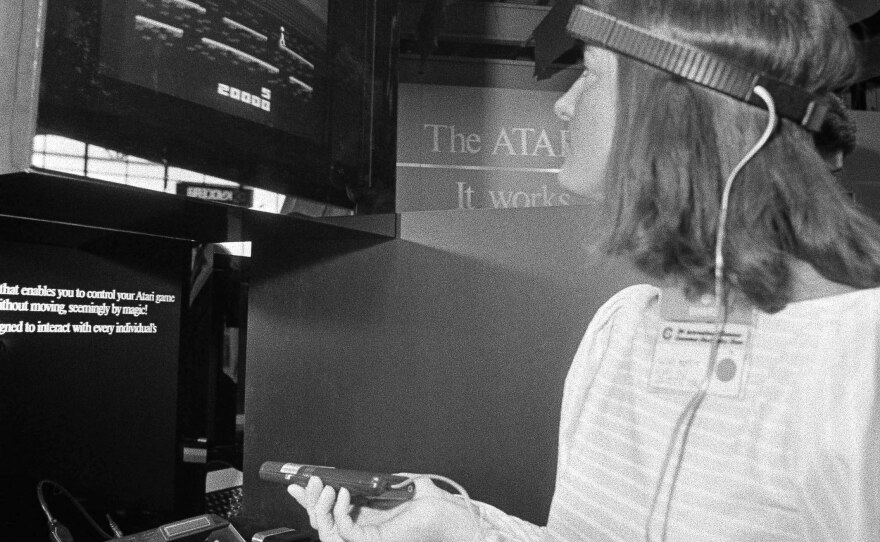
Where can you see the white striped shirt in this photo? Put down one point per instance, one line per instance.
(795, 457)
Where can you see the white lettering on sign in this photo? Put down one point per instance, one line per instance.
(528, 142)
(510, 141)
(511, 199)
(458, 142)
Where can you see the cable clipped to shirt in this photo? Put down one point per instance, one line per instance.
(685, 420)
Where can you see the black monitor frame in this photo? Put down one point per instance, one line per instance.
(345, 158)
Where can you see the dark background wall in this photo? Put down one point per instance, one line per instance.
(442, 351)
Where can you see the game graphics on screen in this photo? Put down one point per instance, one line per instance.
(259, 61)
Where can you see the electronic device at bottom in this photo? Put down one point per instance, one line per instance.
(370, 486)
(226, 503)
(281, 534)
(204, 528)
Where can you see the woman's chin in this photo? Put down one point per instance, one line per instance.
(582, 188)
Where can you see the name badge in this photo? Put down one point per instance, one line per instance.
(684, 347)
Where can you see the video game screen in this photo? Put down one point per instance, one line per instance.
(273, 94)
(257, 60)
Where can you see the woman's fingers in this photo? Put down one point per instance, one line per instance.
(331, 514)
(313, 491)
(326, 523)
(342, 515)
(298, 493)
(312, 494)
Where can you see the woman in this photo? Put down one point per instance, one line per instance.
(780, 438)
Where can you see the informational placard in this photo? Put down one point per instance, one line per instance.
(90, 292)
(46, 308)
(478, 148)
(90, 355)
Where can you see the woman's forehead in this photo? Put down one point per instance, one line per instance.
(593, 50)
(594, 55)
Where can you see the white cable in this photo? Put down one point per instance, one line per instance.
(721, 233)
(472, 508)
(690, 411)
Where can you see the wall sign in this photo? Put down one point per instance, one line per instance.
(478, 148)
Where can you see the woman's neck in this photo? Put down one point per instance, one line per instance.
(807, 283)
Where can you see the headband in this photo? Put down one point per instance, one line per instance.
(696, 65)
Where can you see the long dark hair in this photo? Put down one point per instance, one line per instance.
(676, 143)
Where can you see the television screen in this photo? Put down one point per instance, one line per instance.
(273, 94)
(257, 62)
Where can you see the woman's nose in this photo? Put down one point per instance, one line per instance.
(565, 105)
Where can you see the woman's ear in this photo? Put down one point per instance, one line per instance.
(835, 161)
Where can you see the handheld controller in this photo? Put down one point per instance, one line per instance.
(365, 485)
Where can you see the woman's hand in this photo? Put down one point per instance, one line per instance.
(432, 515)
